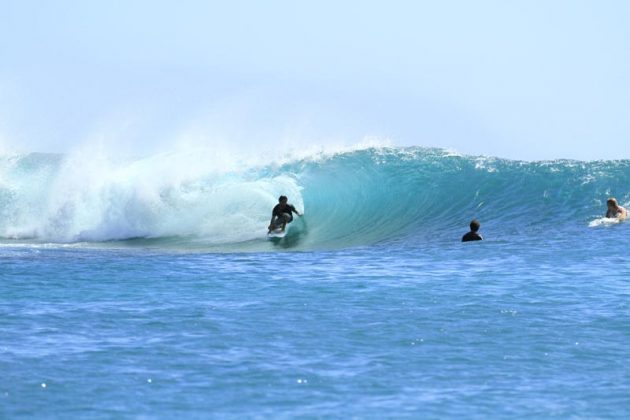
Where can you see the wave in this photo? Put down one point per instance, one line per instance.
(350, 198)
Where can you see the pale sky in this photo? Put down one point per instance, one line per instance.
(516, 79)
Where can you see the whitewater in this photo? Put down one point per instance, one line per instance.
(147, 286)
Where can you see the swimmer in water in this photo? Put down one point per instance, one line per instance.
(615, 211)
(473, 235)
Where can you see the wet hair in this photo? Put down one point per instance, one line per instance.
(474, 225)
(282, 198)
(613, 201)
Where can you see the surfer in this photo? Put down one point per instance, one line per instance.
(282, 214)
(473, 235)
(615, 211)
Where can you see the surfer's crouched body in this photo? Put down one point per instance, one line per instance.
(615, 211)
(282, 214)
(473, 235)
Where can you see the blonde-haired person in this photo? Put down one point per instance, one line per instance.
(615, 211)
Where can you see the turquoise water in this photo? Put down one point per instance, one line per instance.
(111, 304)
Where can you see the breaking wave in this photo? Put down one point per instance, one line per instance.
(350, 198)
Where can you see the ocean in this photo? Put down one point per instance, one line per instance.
(148, 288)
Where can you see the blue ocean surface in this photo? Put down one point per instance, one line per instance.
(139, 289)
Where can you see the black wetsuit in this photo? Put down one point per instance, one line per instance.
(471, 236)
(279, 213)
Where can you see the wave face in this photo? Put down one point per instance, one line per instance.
(352, 198)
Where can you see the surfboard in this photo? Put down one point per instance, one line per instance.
(277, 233)
(604, 221)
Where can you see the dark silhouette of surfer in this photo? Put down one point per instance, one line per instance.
(282, 214)
(473, 235)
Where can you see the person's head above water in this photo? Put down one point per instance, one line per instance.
(283, 199)
(473, 235)
(615, 210)
(612, 203)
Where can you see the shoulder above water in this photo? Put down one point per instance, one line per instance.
(472, 236)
